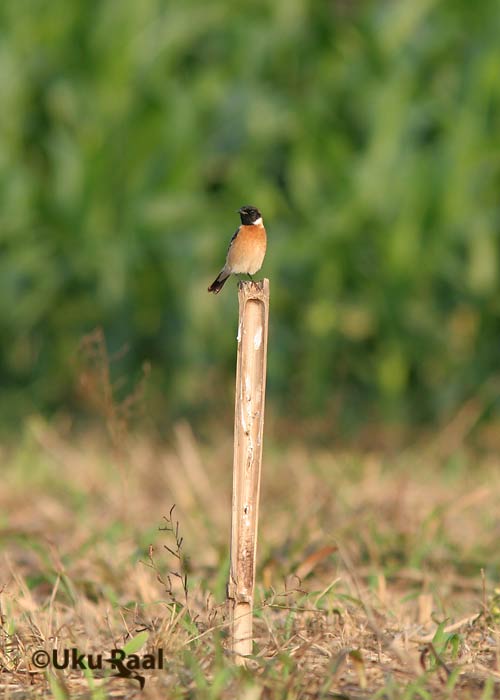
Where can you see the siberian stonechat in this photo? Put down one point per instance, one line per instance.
(247, 248)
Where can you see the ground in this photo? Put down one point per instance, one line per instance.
(377, 574)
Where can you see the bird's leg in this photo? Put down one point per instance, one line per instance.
(250, 276)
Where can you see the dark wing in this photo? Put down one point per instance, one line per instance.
(233, 237)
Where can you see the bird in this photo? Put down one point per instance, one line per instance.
(247, 248)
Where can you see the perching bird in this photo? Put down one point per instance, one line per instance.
(247, 248)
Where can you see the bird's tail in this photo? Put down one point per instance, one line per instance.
(219, 282)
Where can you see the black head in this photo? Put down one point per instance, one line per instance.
(249, 215)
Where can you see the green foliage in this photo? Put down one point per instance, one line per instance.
(136, 643)
(368, 133)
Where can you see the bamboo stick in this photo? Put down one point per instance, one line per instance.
(248, 431)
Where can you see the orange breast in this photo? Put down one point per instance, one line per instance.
(247, 251)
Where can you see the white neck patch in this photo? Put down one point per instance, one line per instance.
(257, 222)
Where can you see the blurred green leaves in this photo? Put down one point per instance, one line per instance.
(368, 133)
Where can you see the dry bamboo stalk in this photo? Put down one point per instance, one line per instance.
(248, 430)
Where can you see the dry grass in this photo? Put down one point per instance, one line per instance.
(369, 581)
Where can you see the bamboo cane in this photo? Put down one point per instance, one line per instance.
(248, 431)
